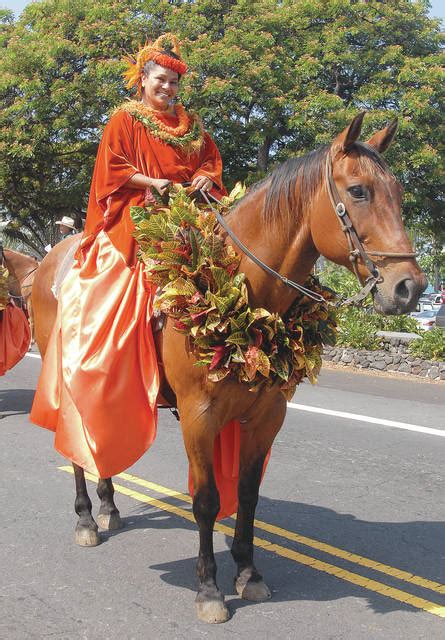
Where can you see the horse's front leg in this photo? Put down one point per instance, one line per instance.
(257, 436)
(108, 517)
(86, 534)
(199, 438)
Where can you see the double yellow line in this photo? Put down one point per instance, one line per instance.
(279, 550)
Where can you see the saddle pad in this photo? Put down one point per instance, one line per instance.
(63, 269)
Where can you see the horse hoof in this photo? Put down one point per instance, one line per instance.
(212, 611)
(109, 522)
(86, 537)
(253, 591)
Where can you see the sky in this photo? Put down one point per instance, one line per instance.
(437, 6)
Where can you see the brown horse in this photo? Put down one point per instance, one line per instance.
(287, 220)
(22, 270)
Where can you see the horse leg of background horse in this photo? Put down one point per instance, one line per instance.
(199, 436)
(108, 516)
(256, 439)
(87, 534)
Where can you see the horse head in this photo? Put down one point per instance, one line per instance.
(360, 224)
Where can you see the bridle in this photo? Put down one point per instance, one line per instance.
(356, 248)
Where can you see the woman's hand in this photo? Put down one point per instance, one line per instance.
(160, 185)
(202, 183)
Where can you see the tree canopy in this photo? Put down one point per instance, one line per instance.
(271, 79)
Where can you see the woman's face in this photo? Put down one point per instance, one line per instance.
(160, 87)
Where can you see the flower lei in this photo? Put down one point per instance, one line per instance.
(4, 293)
(184, 254)
(188, 134)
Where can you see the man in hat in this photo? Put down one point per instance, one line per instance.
(66, 228)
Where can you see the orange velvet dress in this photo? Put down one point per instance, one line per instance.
(99, 381)
(15, 336)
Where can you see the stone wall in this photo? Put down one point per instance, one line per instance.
(394, 356)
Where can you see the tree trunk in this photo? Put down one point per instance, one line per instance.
(263, 155)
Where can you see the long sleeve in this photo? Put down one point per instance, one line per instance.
(116, 157)
(116, 163)
(210, 163)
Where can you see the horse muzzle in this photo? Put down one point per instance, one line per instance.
(400, 297)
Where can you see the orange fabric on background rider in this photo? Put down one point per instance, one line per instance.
(99, 380)
(15, 337)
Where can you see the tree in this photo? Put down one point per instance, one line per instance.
(270, 78)
(62, 64)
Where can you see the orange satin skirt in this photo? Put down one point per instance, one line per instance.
(15, 337)
(99, 381)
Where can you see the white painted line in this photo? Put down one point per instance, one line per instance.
(360, 418)
(348, 416)
(33, 355)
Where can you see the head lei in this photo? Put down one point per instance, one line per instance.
(160, 52)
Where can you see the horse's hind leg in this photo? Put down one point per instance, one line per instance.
(254, 445)
(198, 439)
(86, 534)
(108, 516)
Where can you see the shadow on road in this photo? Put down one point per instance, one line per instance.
(15, 402)
(416, 547)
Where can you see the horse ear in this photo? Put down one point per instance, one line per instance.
(344, 141)
(382, 139)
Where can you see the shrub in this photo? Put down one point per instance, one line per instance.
(357, 329)
(397, 323)
(431, 345)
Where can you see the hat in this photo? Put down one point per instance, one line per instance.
(158, 51)
(67, 222)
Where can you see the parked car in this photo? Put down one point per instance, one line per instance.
(440, 317)
(426, 320)
(424, 304)
(436, 300)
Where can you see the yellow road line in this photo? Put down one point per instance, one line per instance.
(309, 542)
(314, 563)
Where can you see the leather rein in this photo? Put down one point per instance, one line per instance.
(356, 248)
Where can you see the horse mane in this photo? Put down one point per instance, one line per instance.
(18, 254)
(294, 183)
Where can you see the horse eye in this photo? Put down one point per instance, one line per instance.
(357, 191)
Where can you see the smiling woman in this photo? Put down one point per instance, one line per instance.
(105, 303)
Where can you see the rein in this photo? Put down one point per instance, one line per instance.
(356, 248)
(257, 261)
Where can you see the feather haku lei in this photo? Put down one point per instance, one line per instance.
(208, 301)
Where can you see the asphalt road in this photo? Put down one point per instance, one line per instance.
(350, 536)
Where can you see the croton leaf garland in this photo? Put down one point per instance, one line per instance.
(201, 290)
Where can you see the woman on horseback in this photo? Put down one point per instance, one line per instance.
(99, 381)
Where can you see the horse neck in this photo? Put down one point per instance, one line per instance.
(288, 249)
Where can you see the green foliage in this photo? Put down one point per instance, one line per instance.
(358, 326)
(187, 258)
(431, 345)
(357, 329)
(270, 80)
(402, 323)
